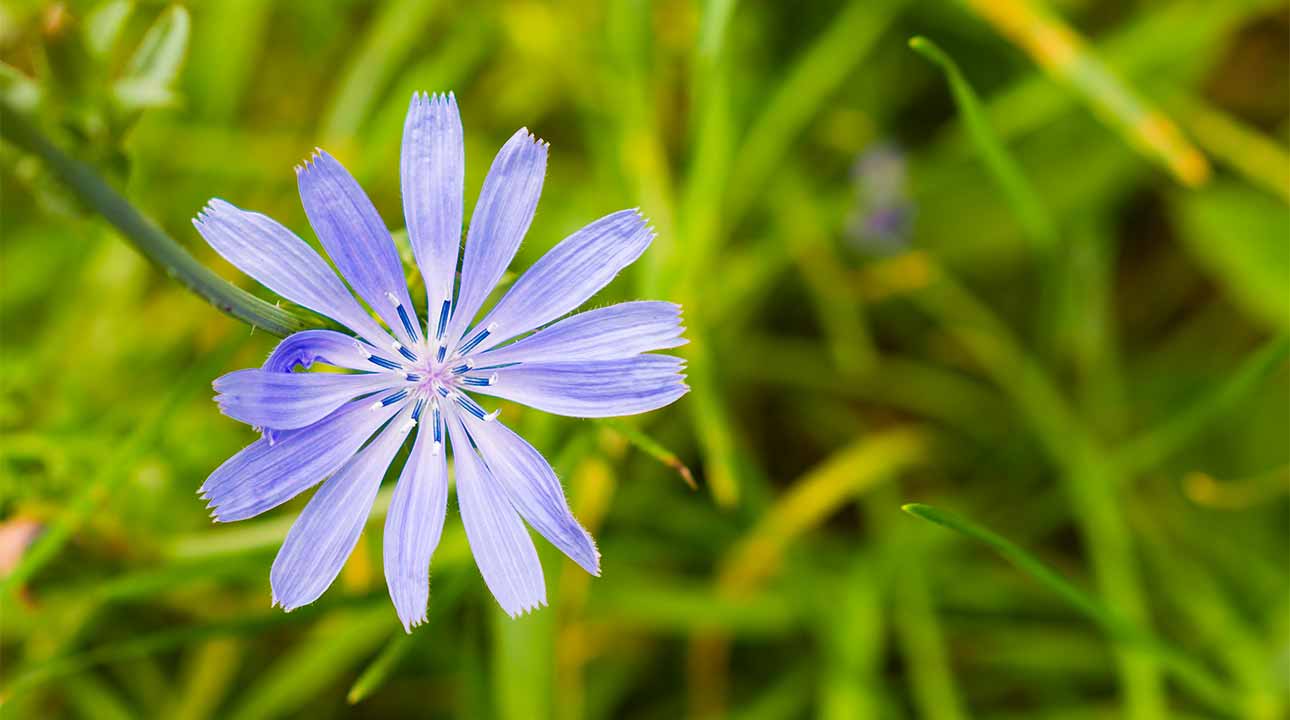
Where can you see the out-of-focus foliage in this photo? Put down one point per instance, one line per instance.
(1113, 400)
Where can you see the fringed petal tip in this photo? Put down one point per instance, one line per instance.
(310, 163)
(541, 144)
(408, 617)
(422, 100)
(647, 223)
(275, 601)
(517, 613)
(594, 569)
(411, 623)
(212, 211)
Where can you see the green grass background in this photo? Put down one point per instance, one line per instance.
(1089, 359)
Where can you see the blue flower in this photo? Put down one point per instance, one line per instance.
(348, 427)
(884, 212)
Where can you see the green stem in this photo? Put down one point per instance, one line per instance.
(90, 188)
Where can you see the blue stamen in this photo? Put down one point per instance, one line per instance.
(411, 377)
(444, 312)
(477, 381)
(416, 411)
(470, 406)
(407, 322)
(476, 340)
(394, 398)
(438, 425)
(495, 367)
(407, 354)
(464, 367)
(443, 391)
(382, 362)
(443, 350)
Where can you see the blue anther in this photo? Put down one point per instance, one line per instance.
(443, 319)
(394, 398)
(443, 350)
(470, 406)
(477, 381)
(438, 425)
(387, 364)
(474, 341)
(464, 367)
(407, 322)
(416, 411)
(407, 354)
(443, 391)
(412, 377)
(495, 367)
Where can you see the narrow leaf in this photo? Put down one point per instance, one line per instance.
(1190, 672)
(379, 671)
(651, 447)
(1020, 194)
(156, 63)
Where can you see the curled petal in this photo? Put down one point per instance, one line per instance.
(306, 347)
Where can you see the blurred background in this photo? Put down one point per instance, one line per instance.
(1049, 291)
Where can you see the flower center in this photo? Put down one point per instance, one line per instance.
(435, 373)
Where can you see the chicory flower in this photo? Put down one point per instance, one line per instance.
(344, 429)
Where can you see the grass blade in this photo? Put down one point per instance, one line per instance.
(1160, 442)
(1038, 223)
(1260, 159)
(379, 671)
(651, 447)
(1065, 56)
(1191, 673)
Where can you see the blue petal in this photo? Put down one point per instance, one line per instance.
(534, 491)
(325, 346)
(568, 275)
(279, 260)
(324, 535)
(355, 237)
(414, 525)
(501, 218)
(498, 539)
(599, 388)
(288, 400)
(608, 333)
(263, 476)
(433, 175)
